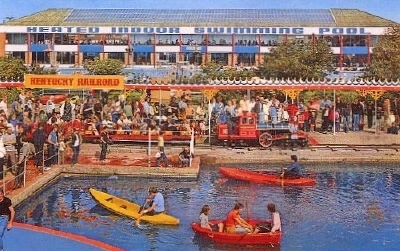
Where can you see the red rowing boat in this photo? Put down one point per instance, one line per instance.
(257, 177)
(238, 239)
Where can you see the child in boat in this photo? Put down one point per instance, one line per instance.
(204, 223)
(275, 224)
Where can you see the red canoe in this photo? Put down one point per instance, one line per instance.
(257, 177)
(238, 239)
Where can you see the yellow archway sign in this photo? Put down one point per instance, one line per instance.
(292, 93)
(375, 94)
(98, 82)
(210, 93)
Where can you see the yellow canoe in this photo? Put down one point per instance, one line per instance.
(129, 209)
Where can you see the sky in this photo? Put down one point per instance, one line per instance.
(389, 9)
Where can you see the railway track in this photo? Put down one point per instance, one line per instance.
(322, 147)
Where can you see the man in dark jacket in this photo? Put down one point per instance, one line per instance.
(39, 139)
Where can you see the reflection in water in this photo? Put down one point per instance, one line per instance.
(345, 208)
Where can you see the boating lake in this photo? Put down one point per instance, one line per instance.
(352, 207)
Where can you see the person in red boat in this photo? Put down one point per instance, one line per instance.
(274, 225)
(294, 170)
(204, 223)
(234, 223)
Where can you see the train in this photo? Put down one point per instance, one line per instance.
(246, 130)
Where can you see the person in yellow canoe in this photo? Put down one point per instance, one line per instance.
(156, 201)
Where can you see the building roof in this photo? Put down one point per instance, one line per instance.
(203, 17)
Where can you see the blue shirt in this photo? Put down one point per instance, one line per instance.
(159, 203)
(295, 168)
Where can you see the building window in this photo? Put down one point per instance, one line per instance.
(66, 57)
(117, 55)
(246, 59)
(16, 38)
(220, 58)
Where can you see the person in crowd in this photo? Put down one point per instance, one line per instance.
(184, 157)
(370, 107)
(52, 145)
(357, 112)
(2, 155)
(76, 145)
(19, 134)
(7, 214)
(200, 112)
(128, 110)
(204, 222)
(104, 141)
(393, 129)
(27, 150)
(61, 150)
(157, 204)
(4, 105)
(245, 104)
(325, 102)
(325, 119)
(379, 118)
(161, 150)
(9, 140)
(294, 170)
(234, 223)
(273, 112)
(274, 225)
(87, 109)
(42, 117)
(98, 109)
(146, 107)
(189, 111)
(39, 139)
(66, 110)
(306, 119)
(50, 107)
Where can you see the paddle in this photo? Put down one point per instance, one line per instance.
(142, 206)
(144, 203)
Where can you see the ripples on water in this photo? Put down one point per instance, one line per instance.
(349, 209)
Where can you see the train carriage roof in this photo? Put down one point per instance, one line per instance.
(203, 17)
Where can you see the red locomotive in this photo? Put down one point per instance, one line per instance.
(247, 130)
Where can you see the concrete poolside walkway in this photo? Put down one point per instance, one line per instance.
(33, 238)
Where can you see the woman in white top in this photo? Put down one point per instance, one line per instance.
(275, 224)
(205, 210)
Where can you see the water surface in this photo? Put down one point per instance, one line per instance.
(352, 207)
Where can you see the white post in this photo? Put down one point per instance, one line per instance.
(191, 148)
(377, 127)
(334, 112)
(159, 107)
(149, 147)
(25, 172)
(209, 122)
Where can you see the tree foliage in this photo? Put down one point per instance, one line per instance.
(99, 66)
(37, 69)
(12, 69)
(385, 62)
(293, 60)
(217, 71)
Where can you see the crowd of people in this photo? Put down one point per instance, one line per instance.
(56, 127)
(322, 115)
